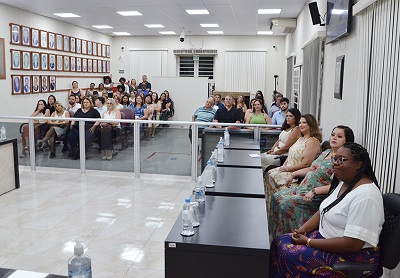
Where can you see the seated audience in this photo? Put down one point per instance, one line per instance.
(240, 104)
(117, 99)
(122, 82)
(345, 229)
(133, 86)
(99, 106)
(141, 112)
(109, 130)
(108, 85)
(156, 112)
(301, 154)
(290, 208)
(249, 111)
(165, 107)
(102, 91)
(144, 81)
(279, 117)
(143, 90)
(150, 111)
(258, 116)
(228, 113)
(125, 101)
(51, 103)
(75, 91)
(275, 106)
(260, 96)
(218, 101)
(90, 91)
(205, 114)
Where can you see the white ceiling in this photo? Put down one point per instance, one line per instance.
(235, 17)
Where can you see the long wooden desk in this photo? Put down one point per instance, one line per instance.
(240, 159)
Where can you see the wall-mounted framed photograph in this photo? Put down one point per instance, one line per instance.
(104, 66)
(34, 37)
(89, 65)
(16, 84)
(84, 47)
(60, 63)
(35, 60)
(2, 59)
(52, 86)
(52, 61)
(35, 84)
(45, 83)
(99, 66)
(44, 61)
(59, 42)
(26, 60)
(108, 66)
(339, 70)
(15, 59)
(15, 33)
(66, 63)
(52, 41)
(73, 63)
(78, 64)
(103, 50)
(78, 46)
(94, 49)
(108, 51)
(84, 64)
(43, 39)
(89, 48)
(94, 69)
(26, 36)
(66, 43)
(99, 49)
(27, 84)
(72, 45)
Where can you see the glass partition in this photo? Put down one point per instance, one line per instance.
(14, 130)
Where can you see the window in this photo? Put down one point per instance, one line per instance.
(189, 66)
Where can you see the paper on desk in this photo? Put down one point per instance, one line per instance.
(254, 155)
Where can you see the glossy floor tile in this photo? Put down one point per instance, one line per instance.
(122, 221)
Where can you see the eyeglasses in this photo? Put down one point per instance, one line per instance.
(339, 159)
(109, 103)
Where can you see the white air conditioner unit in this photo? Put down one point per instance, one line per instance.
(283, 25)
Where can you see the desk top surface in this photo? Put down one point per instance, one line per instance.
(241, 158)
(242, 144)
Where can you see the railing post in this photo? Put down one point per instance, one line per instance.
(31, 143)
(82, 146)
(195, 143)
(136, 149)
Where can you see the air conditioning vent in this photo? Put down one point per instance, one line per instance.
(196, 51)
(283, 25)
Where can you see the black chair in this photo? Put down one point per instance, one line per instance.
(388, 240)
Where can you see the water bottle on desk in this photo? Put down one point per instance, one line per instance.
(220, 151)
(200, 190)
(226, 137)
(3, 133)
(195, 207)
(187, 219)
(79, 265)
(214, 167)
(208, 175)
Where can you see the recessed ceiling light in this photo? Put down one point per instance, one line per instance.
(121, 33)
(154, 25)
(167, 33)
(337, 11)
(209, 25)
(197, 12)
(66, 15)
(129, 13)
(102, 26)
(269, 11)
(215, 32)
(265, 32)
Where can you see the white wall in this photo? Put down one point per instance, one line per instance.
(27, 103)
(275, 57)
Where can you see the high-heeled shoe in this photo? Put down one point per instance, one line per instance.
(52, 155)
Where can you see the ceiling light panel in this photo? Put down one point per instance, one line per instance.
(129, 13)
(213, 25)
(121, 33)
(197, 11)
(269, 11)
(102, 26)
(154, 25)
(65, 15)
(265, 33)
(215, 32)
(167, 33)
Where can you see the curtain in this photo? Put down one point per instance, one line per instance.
(151, 62)
(289, 79)
(253, 63)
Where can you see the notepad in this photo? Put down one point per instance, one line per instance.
(254, 155)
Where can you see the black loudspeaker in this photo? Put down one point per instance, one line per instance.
(316, 19)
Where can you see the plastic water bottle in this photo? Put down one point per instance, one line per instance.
(79, 265)
(187, 219)
(214, 167)
(208, 175)
(220, 151)
(196, 211)
(197, 188)
(3, 133)
(226, 137)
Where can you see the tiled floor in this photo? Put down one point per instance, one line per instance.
(122, 220)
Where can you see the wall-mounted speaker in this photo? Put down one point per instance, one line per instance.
(315, 16)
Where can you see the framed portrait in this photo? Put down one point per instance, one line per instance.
(72, 45)
(26, 60)
(35, 84)
(66, 43)
(103, 50)
(15, 59)
(66, 63)
(78, 64)
(45, 83)
(43, 39)
(84, 47)
(94, 69)
(89, 65)
(108, 66)
(16, 84)
(89, 48)
(84, 64)
(34, 37)
(339, 70)
(15, 33)
(72, 64)
(26, 83)
(59, 42)
(60, 63)
(99, 66)
(52, 62)
(52, 41)
(108, 51)
(26, 36)
(99, 49)
(2, 59)
(78, 46)
(44, 61)
(94, 49)
(35, 57)
(52, 84)
(104, 66)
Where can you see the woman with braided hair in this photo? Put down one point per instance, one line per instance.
(346, 227)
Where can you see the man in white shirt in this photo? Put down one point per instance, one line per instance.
(99, 102)
(73, 106)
